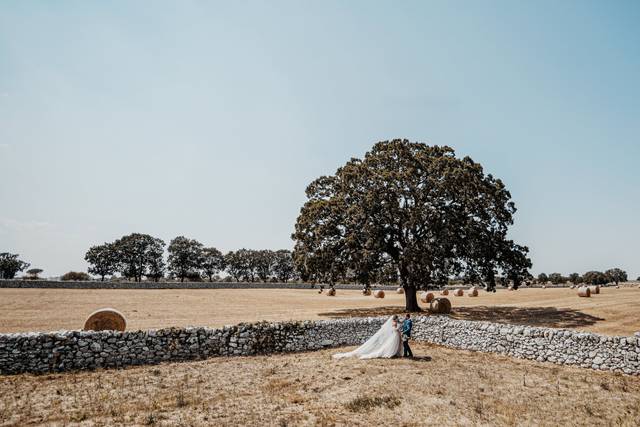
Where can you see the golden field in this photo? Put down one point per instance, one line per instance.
(613, 311)
(441, 387)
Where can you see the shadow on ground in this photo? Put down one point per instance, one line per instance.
(533, 316)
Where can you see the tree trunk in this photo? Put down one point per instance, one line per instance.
(411, 298)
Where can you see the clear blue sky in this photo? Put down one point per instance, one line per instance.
(208, 119)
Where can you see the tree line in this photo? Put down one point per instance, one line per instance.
(613, 275)
(136, 255)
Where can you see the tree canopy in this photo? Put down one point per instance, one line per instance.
(418, 207)
(10, 264)
(185, 256)
(102, 260)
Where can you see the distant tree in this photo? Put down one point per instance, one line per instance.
(136, 253)
(242, 264)
(10, 264)
(212, 262)
(264, 261)
(575, 278)
(616, 275)
(595, 278)
(76, 276)
(155, 263)
(33, 273)
(185, 256)
(102, 259)
(283, 265)
(543, 278)
(557, 278)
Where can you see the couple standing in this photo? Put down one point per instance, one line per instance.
(390, 341)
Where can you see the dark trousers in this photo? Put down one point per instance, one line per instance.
(407, 349)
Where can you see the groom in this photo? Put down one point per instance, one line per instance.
(407, 325)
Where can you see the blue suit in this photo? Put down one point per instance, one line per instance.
(407, 325)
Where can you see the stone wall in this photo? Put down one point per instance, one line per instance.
(76, 350)
(58, 284)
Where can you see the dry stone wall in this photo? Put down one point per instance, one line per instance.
(95, 284)
(78, 350)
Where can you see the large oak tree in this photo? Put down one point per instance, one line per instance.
(417, 207)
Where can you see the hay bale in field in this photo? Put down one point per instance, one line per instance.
(427, 297)
(572, 286)
(510, 288)
(378, 294)
(458, 293)
(473, 292)
(105, 319)
(440, 306)
(584, 291)
(366, 292)
(444, 292)
(400, 291)
(331, 292)
(595, 289)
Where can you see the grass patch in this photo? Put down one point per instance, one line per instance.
(364, 403)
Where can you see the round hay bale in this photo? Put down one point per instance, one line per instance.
(595, 289)
(331, 292)
(473, 292)
(584, 291)
(444, 292)
(105, 319)
(458, 293)
(378, 294)
(366, 292)
(617, 286)
(400, 291)
(440, 306)
(510, 288)
(427, 297)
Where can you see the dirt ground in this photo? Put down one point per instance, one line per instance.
(614, 311)
(440, 387)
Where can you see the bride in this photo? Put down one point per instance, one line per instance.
(386, 343)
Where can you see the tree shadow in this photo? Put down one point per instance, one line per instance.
(551, 317)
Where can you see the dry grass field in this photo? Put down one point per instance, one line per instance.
(440, 387)
(614, 311)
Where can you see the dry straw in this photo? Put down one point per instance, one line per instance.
(440, 306)
(379, 293)
(584, 291)
(427, 297)
(105, 319)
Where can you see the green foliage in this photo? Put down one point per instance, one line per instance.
(185, 257)
(76, 275)
(10, 264)
(575, 278)
(33, 273)
(283, 268)
(212, 262)
(595, 278)
(102, 259)
(242, 264)
(542, 278)
(557, 278)
(414, 206)
(139, 255)
(616, 275)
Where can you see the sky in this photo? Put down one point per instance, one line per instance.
(209, 119)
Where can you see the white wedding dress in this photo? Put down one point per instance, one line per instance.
(385, 343)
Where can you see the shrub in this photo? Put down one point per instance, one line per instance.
(76, 275)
